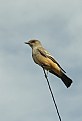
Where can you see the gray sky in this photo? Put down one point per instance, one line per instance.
(24, 94)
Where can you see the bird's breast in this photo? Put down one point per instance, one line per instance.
(41, 60)
(35, 56)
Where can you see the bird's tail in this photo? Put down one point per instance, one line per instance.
(66, 80)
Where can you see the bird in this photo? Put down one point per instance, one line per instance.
(44, 59)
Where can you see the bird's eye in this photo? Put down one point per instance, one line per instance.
(33, 41)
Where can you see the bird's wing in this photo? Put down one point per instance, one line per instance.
(48, 55)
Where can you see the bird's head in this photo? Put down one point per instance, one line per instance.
(33, 43)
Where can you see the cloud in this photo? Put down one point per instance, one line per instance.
(23, 89)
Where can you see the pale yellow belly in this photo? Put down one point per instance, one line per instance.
(48, 63)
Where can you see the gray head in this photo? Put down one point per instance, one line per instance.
(33, 43)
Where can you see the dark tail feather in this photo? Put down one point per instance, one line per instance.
(67, 81)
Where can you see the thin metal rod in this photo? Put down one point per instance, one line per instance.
(52, 94)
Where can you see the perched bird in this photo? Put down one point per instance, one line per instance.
(43, 58)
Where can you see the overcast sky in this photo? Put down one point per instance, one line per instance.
(24, 94)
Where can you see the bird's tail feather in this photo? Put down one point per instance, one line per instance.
(66, 80)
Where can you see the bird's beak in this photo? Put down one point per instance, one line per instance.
(27, 43)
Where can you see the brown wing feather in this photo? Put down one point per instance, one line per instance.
(46, 54)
